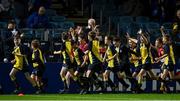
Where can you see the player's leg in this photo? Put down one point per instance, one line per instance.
(68, 77)
(63, 77)
(120, 78)
(12, 75)
(140, 76)
(33, 83)
(105, 79)
(163, 77)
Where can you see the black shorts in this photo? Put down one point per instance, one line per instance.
(138, 69)
(97, 67)
(39, 71)
(69, 65)
(81, 69)
(147, 66)
(169, 67)
(124, 67)
(113, 69)
(24, 69)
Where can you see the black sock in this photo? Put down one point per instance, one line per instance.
(111, 83)
(16, 84)
(65, 85)
(105, 85)
(122, 82)
(90, 83)
(85, 82)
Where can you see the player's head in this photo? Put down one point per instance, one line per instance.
(35, 44)
(158, 42)
(64, 36)
(142, 40)
(108, 40)
(81, 38)
(91, 35)
(133, 43)
(178, 13)
(11, 25)
(74, 44)
(41, 10)
(17, 41)
(91, 23)
(116, 41)
(166, 39)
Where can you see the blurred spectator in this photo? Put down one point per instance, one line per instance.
(176, 33)
(9, 35)
(38, 19)
(6, 8)
(163, 10)
(5, 5)
(20, 12)
(82, 43)
(34, 5)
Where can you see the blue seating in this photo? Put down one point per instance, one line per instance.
(152, 25)
(50, 12)
(3, 25)
(39, 33)
(57, 33)
(45, 46)
(28, 33)
(142, 19)
(124, 27)
(53, 24)
(167, 25)
(126, 19)
(67, 25)
(58, 18)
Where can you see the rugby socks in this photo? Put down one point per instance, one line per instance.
(123, 82)
(16, 84)
(111, 83)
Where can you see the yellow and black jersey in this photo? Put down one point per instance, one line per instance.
(78, 55)
(111, 51)
(134, 59)
(37, 58)
(145, 51)
(168, 49)
(67, 52)
(93, 48)
(20, 61)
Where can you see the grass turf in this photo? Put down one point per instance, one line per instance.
(134, 97)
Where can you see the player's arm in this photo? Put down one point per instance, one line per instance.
(13, 61)
(113, 52)
(63, 47)
(85, 60)
(114, 56)
(36, 57)
(162, 57)
(162, 31)
(104, 58)
(57, 52)
(19, 54)
(165, 54)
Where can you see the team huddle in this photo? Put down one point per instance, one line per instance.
(89, 61)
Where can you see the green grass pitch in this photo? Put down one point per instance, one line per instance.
(70, 97)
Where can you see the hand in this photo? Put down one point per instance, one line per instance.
(127, 35)
(139, 32)
(107, 60)
(156, 59)
(162, 28)
(13, 61)
(55, 52)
